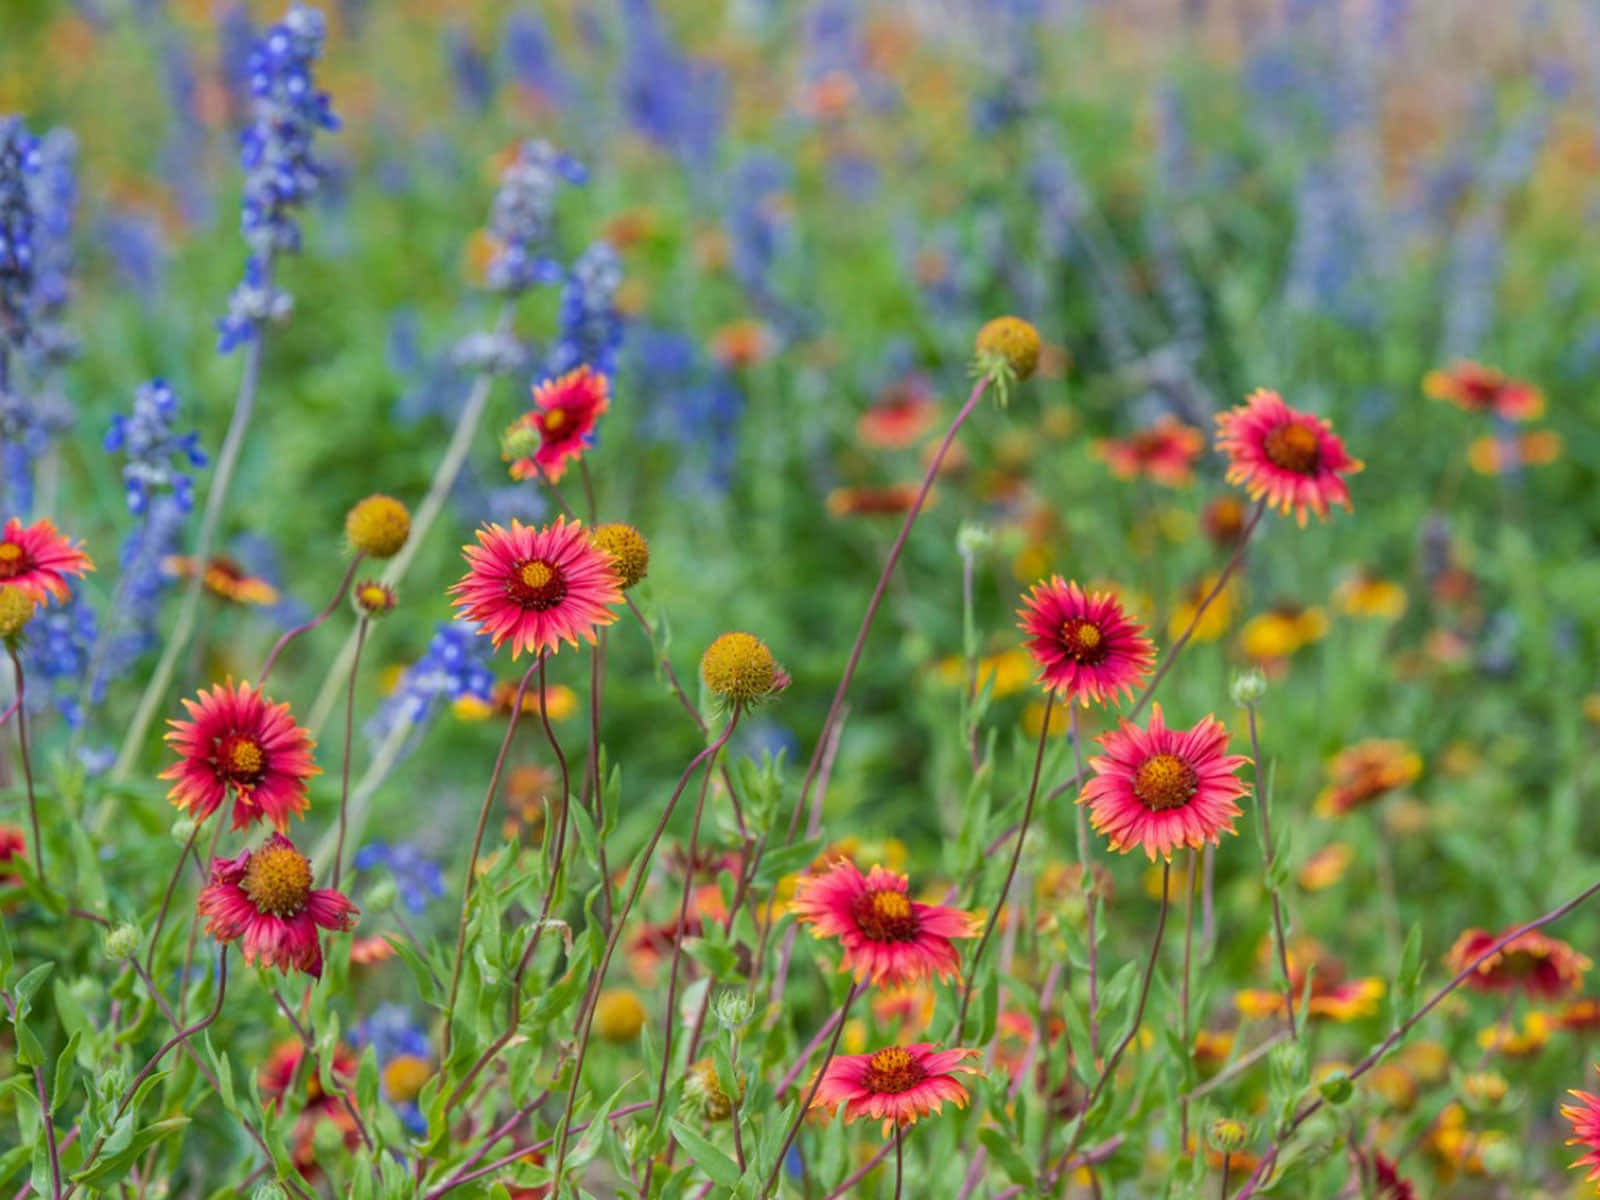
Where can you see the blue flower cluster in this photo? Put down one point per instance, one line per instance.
(53, 191)
(417, 877)
(591, 327)
(19, 158)
(280, 172)
(393, 1033)
(147, 438)
(453, 668)
(676, 101)
(523, 216)
(56, 648)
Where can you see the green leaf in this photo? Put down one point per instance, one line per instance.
(110, 1167)
(786, 860)
(1004, 1151)
(707, 1157)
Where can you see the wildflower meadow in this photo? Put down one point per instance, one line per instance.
(799, 598)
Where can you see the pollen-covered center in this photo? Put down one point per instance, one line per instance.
(538, 584)
(13, 560)
(1083, 641)
(241, 759)
(1294, 447)
(886, 916)
(893, 1071)
(278, 880)
(555, 421)
(1164, 782)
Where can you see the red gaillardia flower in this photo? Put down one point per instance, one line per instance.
(224, 577)
(1541, 967)
(265, 898)
(1160, 789)
(1292, 458)
(1585, 1118)
(888, 938)
(537, 587)
(563, 418)
(901, 416)
(1479, 389)
(37, 559)
(240, 743)
(1166, 452)
(1088, 649)
(1360, 774)
(897, 1084)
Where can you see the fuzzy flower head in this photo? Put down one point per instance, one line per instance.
(888, 939)
(630, 553)
(239, 744)
(1541, 967)
(739, 669)
(373, 598)
(1087, 647)
(16, 610)
(1585, 1119)
(1008, 344)
(1475, 388)
(564, 413)
(36, 560)
(898, 1084)
(537, 588)
(1292, 458)
(1165, 453)
(264, 899)
(378, 526)
(1161, 789)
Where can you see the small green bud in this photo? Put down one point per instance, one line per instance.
(123, 942)
(733, 1007)
(1248, 687)
(973, 539)
(518, 442)
(1227, 1136)
(1336, 1088)
(272, 1190)
(183, 829)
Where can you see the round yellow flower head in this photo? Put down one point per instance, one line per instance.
(404, 1077)
(704, 1091)
(618, 1015)
(739, 668)
(630, 553)
(16, 610)
(1010, 341)
(373, 599)
(378, 526)
(1227, 1136)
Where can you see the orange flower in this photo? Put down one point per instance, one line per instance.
(1166, 453)
(1475, 388)
(874, 501)
(1497, 454)
(743, 344)
(903, 414)
(1362, 773)
(224, 577)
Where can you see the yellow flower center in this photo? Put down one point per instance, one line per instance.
(554, 420)
(404, 1076)
(1083, 641)
(278, 880)
(1294, 447)
(886, 916)
(893, 1071)
(1164, 782)
(241, 759)
(13, 560)
(537, 584)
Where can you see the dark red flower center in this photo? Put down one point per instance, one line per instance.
(559, 425)
(892, 1071)
(538, 584)
(1293, 446)
(241, 760)
(1164, 782)
(1083, 641)
(278, 880)
(13, 560)
(886, 916)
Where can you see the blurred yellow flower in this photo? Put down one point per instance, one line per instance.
(1278, 634)
(1218, 616)
(1007, 672)
(1364, 595)
(1326, 867)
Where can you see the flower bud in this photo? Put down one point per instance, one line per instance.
(733, 1007)
(973, 539)
(1227, 1136)
(122, 942)
(1336, 1088)
(1248, 687)
(183, 829)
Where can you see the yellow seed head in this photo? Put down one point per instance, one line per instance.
(373, 599)
(739, 668)
(378, 526)
(630, 553)
(1012, 341)
(16, 610)
(618, 1015)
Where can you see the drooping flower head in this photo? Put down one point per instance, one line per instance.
(1160, 789)
(888, 939)
(1165, 453)
(1366, 771)
(1476, 388)
(897, 1084)
(239, 744)
(1292, 458)
(1087, 647)
(1539, 966)
(563, 419)
(264, 899)
(537, 588)
(36, 559)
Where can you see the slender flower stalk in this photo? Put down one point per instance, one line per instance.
(587, 1011)
(166, 898)
(770, 1187)
(1011, 870)
(1091, 893)
(477, 844)
(1184, 1035)
(912, 513)
(289, 635)
(1268, 852)
(899, 1159)
(27, 764)
(349, 726)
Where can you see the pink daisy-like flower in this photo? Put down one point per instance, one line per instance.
(1585, 1118)
(1160, 789)
(239, 743)
(1292, 458)
(1087, 647)
(888, 938)
(36, 559)
(537, 587)
(897, 1084)
(564, 415)
(264, 899)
